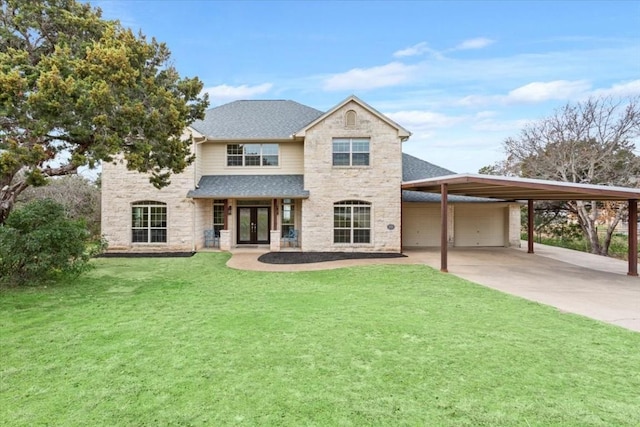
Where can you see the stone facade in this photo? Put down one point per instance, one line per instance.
(513, 225)
(122, 188)
(378, 184)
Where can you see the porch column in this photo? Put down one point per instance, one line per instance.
(444, 229)
(530, 224)
(633, 238)
(226, 215)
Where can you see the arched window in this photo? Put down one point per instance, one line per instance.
(149, 222)
(350, 119)
(352, 222)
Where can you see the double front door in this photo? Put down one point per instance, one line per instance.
(253, 225)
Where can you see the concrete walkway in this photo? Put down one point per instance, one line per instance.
(575, 282)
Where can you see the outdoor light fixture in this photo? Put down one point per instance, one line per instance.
(229, 210)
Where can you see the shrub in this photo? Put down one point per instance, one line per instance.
(39, 242)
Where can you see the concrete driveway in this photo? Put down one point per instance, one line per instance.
(576, 282)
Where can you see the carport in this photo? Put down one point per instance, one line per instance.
(520, 189)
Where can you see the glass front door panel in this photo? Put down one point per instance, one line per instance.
(244, 225)
(263, 224)
(253, 225)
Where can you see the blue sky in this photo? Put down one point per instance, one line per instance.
(460, 75)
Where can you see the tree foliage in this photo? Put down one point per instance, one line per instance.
(587, 142)
(79, 197)
(38, 241)
(76, 89)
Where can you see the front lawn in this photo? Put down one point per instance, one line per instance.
(187, 341)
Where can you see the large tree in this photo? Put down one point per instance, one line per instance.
(586, 142)
(76, 90)
(79, 197)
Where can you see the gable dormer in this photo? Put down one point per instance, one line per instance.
(347, 115)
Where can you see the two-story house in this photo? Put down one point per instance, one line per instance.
(282, 174)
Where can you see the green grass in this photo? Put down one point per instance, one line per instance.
(187, 341)
(619, 247)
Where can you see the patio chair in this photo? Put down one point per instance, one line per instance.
(291, 238)
(211, 239)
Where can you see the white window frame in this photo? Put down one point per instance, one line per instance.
(147, 221)
(260, 154)
(352, 226)
(352, 153)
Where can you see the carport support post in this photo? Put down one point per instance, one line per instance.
(530, 224)
(633, 237)
(444, 241)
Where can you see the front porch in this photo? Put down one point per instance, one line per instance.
(230, 224)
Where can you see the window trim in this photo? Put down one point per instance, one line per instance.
(351, 204)
(244, 155)
(220, 206)
(290, 205)
(351, 152)
(147, 205)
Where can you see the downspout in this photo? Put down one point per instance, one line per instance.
(193, 202)
(195, 185)
(195, 162)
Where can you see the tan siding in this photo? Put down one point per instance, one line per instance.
(214, 161)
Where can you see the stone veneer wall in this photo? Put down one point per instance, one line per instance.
(121, 188)
(515, 224)
(378, 184)
(204, 220)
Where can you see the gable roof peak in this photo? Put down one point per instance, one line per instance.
(402, 132)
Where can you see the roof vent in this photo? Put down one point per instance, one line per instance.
(350, 119)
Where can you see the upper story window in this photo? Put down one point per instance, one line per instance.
(350, 151)
(149, 222)
(253, 155)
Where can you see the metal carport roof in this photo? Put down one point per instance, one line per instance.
(512, 188)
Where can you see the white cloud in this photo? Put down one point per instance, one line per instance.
(623, 89)
(477, 43)
(391, 74)
(415, 50)
(226, 93)
(545, 91)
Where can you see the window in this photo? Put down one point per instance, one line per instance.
(352, 222)
(252, 154)
(149, 222)
(288, 217)
(218, 216)
(350, 151)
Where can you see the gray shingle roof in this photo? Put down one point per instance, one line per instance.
(259, 119)
(422, 196)
(414, 168)
(250, 186)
